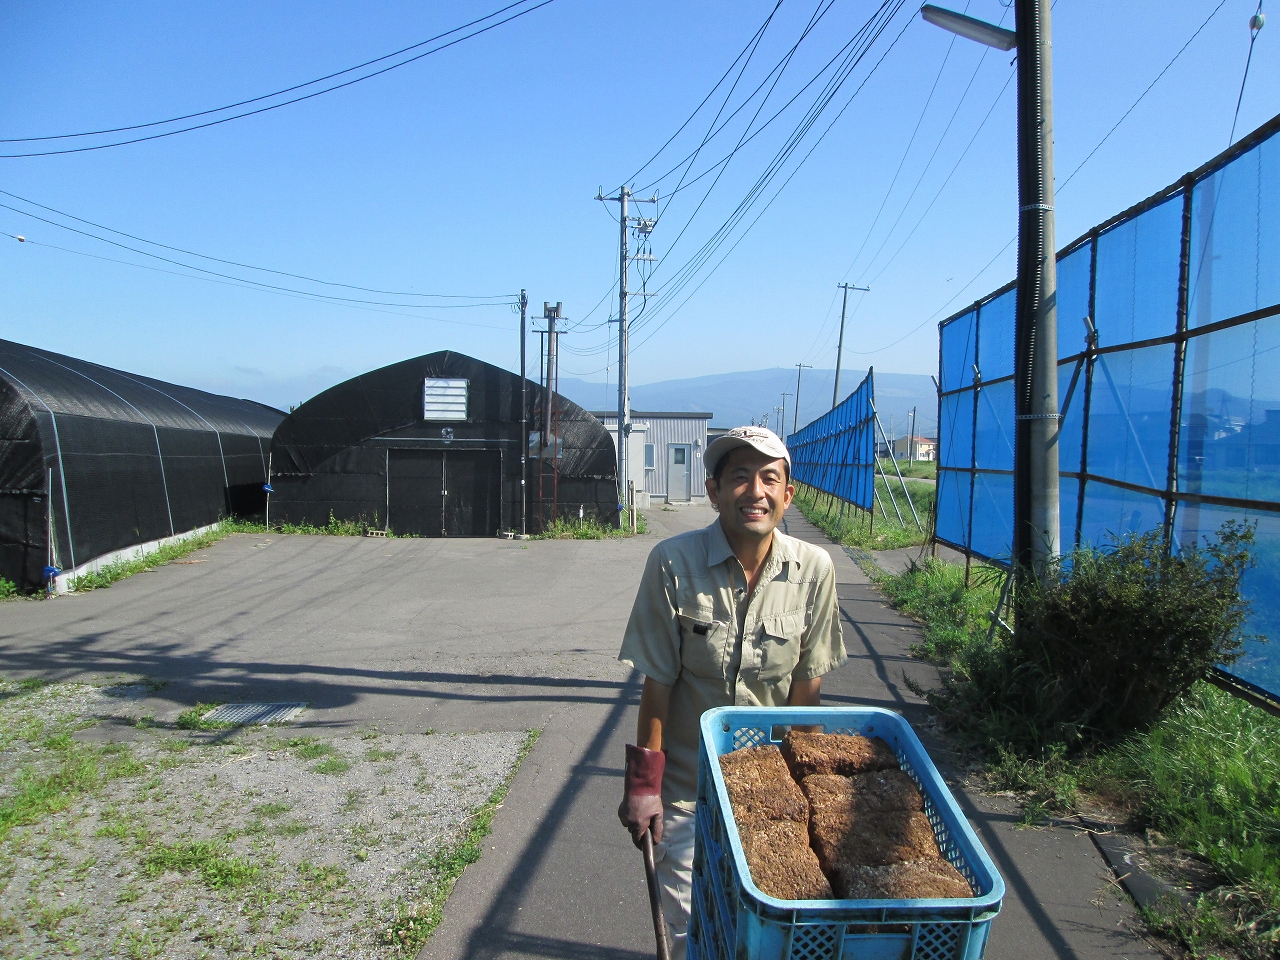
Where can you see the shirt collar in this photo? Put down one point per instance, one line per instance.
(718, 549)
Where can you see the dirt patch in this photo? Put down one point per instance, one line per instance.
(264, 842)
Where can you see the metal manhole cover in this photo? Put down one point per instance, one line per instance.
(254, 714)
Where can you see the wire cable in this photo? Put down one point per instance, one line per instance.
(249, 266)
(1142, 96)
(1255, 27)
(255, 283)
(285, 103)
(244, 286)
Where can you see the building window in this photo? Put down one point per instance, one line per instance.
(444, 399)
(648, 456)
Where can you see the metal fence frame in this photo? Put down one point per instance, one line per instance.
(1088, 368)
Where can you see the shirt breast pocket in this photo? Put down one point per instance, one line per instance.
(780, 646)
(702, 644)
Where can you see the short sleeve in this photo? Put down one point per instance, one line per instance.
(822, 649)
(651, 643)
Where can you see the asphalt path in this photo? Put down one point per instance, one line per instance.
(467, 635)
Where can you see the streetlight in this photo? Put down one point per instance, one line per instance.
(1035, 475)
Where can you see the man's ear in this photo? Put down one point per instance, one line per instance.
(713, 492)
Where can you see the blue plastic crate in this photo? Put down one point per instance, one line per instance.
(732, 919)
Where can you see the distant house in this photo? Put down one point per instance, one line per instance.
(665, 453)
(910, 448)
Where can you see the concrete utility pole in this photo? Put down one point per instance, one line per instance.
(846, 287)
(645, 227)
(524, 419)
(782, 416)
(795, 425)
(1036, 538)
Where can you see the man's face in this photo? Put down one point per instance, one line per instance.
(752, 494)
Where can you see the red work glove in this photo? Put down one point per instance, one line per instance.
(641, 807)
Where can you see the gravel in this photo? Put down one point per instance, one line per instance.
(227, 843)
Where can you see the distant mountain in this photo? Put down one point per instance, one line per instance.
(737, 398)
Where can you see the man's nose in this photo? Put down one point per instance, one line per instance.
(757, 489)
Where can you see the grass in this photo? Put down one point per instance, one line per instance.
(81, 769)
(587, 529)
(414, 923)
(1206, 775)
(193, 718)
(953, 616)
(919, 469)
(855, 529)
(8, 589)
(217, 866)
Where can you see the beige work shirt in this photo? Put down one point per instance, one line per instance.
(694, 628)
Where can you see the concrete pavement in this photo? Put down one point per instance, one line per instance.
(407, 635)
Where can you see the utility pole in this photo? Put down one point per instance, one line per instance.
(782, 417)
(846, 287)
(524, 419)
(1036, 538)
(644, 226)
(795, 425)
(551, 315)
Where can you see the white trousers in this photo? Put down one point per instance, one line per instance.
(674, 860)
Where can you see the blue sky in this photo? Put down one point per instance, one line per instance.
(473, 172)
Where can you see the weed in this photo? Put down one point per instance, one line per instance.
(854, 528)
(588, 528)
(39, 795)
(312, 750)
(120, 569)
(217, 866)
(32, 684)
(415, 922)
(272, 810)
(291, 828)
(321, 879)
(352, 801)
(333, 765)
(375, 754)
(174, 744)
(954, 616)
(193, 718)
(8, 589)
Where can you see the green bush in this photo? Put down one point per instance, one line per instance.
(7, 589)
(1104, 643)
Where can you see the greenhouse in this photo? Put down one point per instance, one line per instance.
(96, 462)
(432, 447)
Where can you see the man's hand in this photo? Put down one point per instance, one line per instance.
(641, 807)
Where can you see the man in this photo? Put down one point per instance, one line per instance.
(737, 613)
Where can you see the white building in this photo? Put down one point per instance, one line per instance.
(665, 453)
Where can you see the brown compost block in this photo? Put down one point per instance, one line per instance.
(760, 786)
(863, 793)
(837, 753)
(781, 862)
(913, 880)
(843, 839)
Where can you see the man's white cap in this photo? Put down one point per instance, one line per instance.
(759, 438)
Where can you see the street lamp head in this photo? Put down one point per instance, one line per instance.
(970, 27)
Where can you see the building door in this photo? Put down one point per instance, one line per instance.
(444, 493)
(679, 459)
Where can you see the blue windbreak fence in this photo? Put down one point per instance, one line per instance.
(1169, 384)
(836, 452)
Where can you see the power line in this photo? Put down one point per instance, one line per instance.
(1124, 116)
(285, 103)
(1255, 27)
(867, 35)
(240, 285)
(754, 40)
(875, 27)
(503, 298)
(227, 276)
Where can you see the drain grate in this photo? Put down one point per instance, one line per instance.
(254, 714)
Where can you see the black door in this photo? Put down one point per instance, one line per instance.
(445, 493)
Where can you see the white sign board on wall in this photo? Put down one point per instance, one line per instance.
(444, 399)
